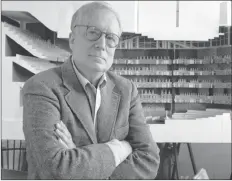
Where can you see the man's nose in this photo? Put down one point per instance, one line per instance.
(101, 42)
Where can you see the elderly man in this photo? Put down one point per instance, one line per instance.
(81, 121)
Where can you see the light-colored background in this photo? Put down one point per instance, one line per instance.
(197, 19)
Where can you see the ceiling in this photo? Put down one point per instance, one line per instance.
(20, 16)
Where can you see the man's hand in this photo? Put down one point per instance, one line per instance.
(64, 136)
(120, 149)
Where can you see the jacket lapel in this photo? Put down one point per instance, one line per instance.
(108, 111)
(77, 99)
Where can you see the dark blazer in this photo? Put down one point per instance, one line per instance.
(55, 95)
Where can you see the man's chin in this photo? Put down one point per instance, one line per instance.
(99, 68)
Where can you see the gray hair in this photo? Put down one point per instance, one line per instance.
(84, 10)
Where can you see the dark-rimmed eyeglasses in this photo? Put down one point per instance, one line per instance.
(93, 34)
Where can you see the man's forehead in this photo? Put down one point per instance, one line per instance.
(102, 19)
(93, 15)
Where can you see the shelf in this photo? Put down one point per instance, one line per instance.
(201, 86)
(201, 63)
(226, 59)
(155, 98)
(221, 87)
(150, 61)
(152, 85)
(141, 63)
(155, 101)
(161, 73)
(187, 74)
(176, 73)
(165, 62)
(203, 102)
(147, 87)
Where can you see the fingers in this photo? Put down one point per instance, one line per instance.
(65, 130)
(62, 136)
(61, 141)
(62, 128)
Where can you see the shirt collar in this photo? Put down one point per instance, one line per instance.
(85, 81)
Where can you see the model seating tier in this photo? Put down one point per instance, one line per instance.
(141, 71)
(216, 98)
(202, 71)
(198, 114)
(225, 59)
(35, 44)
(189, 115)
(159, 60)
(33, 64)
(202, 84)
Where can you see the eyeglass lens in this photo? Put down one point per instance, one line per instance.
(93, 34)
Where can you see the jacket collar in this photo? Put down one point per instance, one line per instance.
(78, 101)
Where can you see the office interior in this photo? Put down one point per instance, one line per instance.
(184, 85)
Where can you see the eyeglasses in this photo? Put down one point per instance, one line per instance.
(93, 34)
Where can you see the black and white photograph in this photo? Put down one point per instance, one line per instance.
(116, 90)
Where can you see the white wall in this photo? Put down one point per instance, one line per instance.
(11, 109)
(154, 15)
(60, 12)
(225, 13)
(202, 14)
(199, 20)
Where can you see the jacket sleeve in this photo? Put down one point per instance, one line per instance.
(41, 111)
(143, 162)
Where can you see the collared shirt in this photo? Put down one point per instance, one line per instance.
(118, 148)
(93, 94)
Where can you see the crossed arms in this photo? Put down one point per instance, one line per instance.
(95, 161)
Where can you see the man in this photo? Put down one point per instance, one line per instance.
(81, 121)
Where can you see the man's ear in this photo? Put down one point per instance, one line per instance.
(71, 40)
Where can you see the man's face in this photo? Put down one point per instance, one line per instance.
(94, 56)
